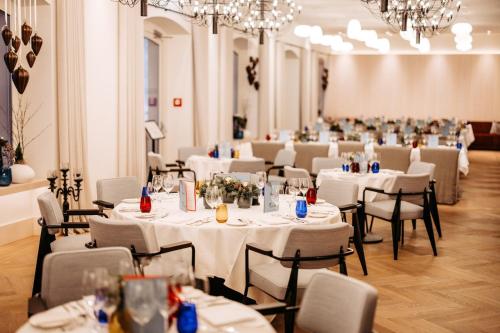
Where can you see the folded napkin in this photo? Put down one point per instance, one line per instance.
(221, 315)
(55, 317)
(273, 219)
(129, 209)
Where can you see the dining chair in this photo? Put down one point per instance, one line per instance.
(417, 167)
(344, 195)
(332, 303)
(284, 158)
(350, 147)
(251, 166)
(184, 153)
(267, 150)
(446, 172)
(110, 192)
(63, 272)
(305, 251)
(394, 158)
(291, 173)
(158, 166)
(52, 221)
(408, 200)
(319, 163)
(307, 151)
(134, 236)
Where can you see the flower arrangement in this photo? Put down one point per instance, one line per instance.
(229, 186)
(247, 191)
(7, 155)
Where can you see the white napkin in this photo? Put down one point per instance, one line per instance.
(273, 219)
(221, 315)
(55, 317)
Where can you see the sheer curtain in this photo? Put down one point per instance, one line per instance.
(71, 93)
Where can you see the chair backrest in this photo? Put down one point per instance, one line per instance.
(307, 151)
(338, 193)
(50, 210)
(285, 157)
(335, 303)
(267, 150)
(185, 152)
(319, 163)
(351, 147)
(63, 271)
(241, 176)
(155, 161)
(109, 232)
(446, 172)
(417, 167)
(291, 173)
(394, 158)
(114, 190)
(315, 241)
(251, 166)
(411, 184)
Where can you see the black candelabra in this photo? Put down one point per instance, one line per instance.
(66, 190)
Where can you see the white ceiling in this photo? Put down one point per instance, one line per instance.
(333, 16)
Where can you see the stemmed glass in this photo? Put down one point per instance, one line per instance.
(140, 301)
(168, 183)
(157, 184)
(303, 185)
(276, 191)
(261, 178)
(161, 298)
(213, 197)
(293, 190)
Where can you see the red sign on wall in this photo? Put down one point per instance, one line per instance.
(177, 102)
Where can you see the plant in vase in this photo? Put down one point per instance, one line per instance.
(6, 160)
(229, 188)
(203, 192)
(246, 193)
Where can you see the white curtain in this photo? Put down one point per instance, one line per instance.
(71, 93)
(200, 82)
(226, 87)
(131, 132)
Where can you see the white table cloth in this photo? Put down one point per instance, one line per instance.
(254, 321)
(383, 180)
(205, 166)
(463, 159)
(333, 151)
(220, 248)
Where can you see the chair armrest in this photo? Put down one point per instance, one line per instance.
(269, 163)
(172, 165)
(68, 225)
(270, 309)
(180, 163)
(264, 251)
(81, 212)
(313, 175)
(175, 247)
(349, 207)
(103, 204)
(373, 189)
(36, 305)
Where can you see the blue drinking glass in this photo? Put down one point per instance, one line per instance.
(459, 145)
(187, 320)
(375, 167)
(301, 209)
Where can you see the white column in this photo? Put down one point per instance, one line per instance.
(226, 84)
(267, 76)
(213, 88)
(305, 84)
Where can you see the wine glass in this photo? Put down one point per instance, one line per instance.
(276, 191)
(168, 183)
(157, 184)
(140, 301)
(260, 182)
(213, 196)
(303, 185)
(161, 293)
(293, 190)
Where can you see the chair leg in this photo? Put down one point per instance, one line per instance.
(414, 224)
(342, 266)
(371, 223)
(428, 226)
(402, 232)
(358, 243)
(395, 234)
(43, 250)
(289, 321)
(435, 212)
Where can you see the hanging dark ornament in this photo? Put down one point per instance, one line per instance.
(31, 57)
(21, 78)
(7, 35)
(26, 32)
(10, 59)
(16, 43)
(36, 43)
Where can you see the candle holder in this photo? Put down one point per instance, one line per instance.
(66, 190)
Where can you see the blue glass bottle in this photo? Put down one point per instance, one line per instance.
(187, 321)
(301, 208)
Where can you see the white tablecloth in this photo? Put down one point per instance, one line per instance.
(333, 151)
(205, 166)
(383, 180)
(220, 248)
(254, 322)
(463, 160)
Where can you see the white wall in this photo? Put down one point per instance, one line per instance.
(419, 86)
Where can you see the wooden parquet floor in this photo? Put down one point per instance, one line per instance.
(458, 291)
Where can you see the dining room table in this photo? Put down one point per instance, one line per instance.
(215, 314)
(220, 247)
(205, 166)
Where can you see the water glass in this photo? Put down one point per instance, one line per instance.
(187, 321)
(303, 186)
(221, 213)
(157, 184)
(168, 183)
(375, 167)
(301, 209)
(140, 301)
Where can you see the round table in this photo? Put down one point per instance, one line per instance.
(252, 321)
(206, 166)
(220, 248)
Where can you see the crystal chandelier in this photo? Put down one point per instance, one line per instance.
(425, 17)
(267, 15)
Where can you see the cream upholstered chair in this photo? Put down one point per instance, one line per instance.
(351, 305)
(418, 167)
(284, 158)
(134, 236)
(307, 151)
(267, 150)
(52, 222)
(446, 173)
(251, 166)
(319, 163)
(184, 153)
(409, 201)
(63, 271)
(305, 251)
(110, 192)
(344, 195)
(394, 158)
(351, 147)
(291, 173)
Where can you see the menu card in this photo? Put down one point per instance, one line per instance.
(324, 137)
(269, 203)
(392, 139)
(432, 141)
(187, 195)
(284, 136)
